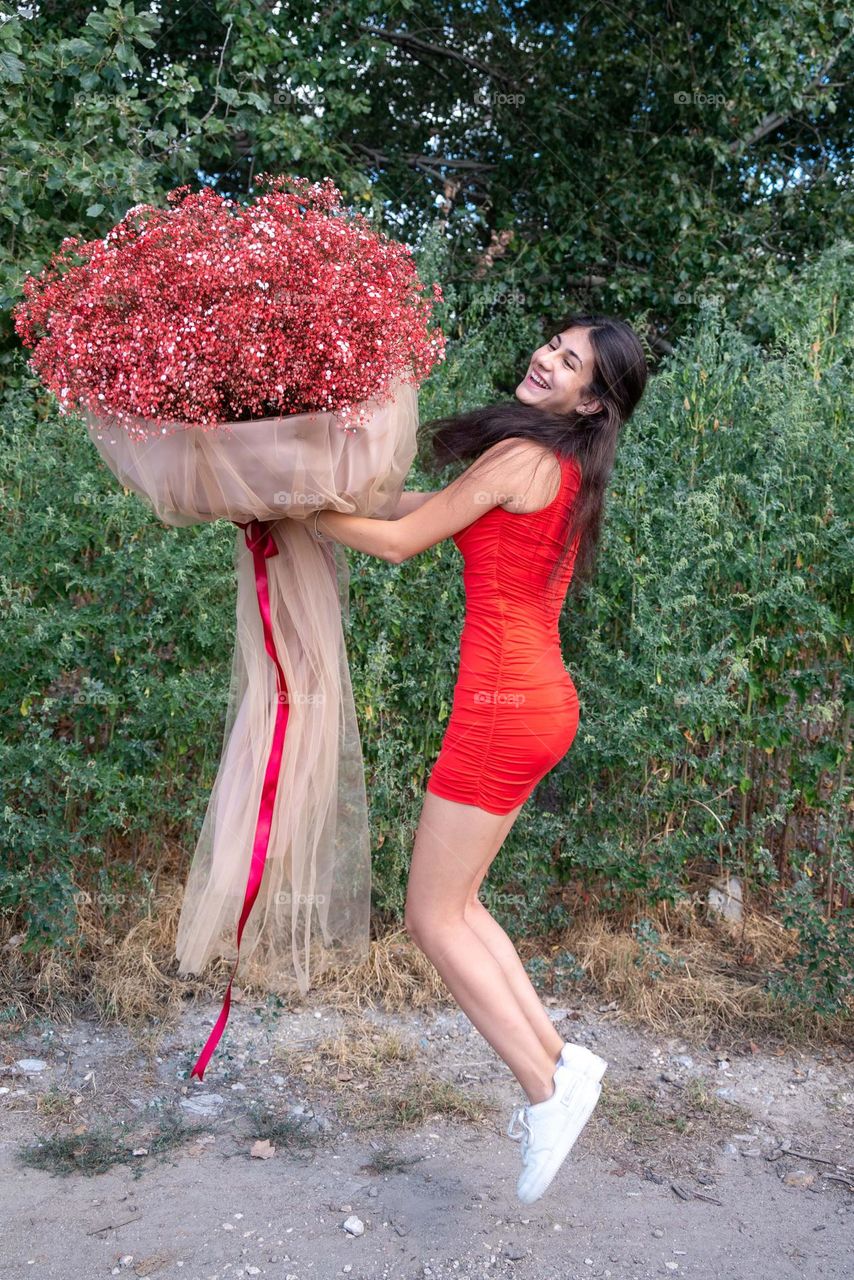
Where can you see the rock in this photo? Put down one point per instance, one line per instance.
(684, 1060)
(354, 1225)
(515, 1252)
(203, 1104)
(725, 899)
(799, 1178)
(31, 1064)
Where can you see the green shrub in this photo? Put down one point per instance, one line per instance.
(711, 652)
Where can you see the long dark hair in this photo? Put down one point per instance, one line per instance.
(618, 380)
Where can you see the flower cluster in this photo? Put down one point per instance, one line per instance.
(210, 311)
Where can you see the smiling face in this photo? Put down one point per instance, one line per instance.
(559, 373)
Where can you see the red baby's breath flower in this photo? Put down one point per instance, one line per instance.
(210, 311)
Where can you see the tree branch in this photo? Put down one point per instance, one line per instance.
(774, 119)
(406, 41)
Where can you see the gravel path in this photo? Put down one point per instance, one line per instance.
(323, 1145)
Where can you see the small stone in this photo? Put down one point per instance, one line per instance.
(799, 1178)
(203, 1104)
(354, 1225)
(657, 1232)
(31, 1064)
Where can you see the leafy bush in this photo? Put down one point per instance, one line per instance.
(711, 652)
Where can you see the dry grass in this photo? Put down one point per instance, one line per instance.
(372, 1080)
(704, 976)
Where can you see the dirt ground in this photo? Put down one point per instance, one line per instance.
(321, 1144)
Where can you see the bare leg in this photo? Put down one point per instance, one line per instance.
(451, 845)
(493, 936)
(490, 932)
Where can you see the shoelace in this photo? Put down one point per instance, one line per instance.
(519, 1117)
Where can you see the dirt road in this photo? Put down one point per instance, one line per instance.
(322, 1145)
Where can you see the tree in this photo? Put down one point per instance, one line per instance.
(625, 159)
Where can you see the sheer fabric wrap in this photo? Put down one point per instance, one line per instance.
(313, 904)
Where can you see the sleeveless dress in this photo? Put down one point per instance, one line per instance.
(515, 707)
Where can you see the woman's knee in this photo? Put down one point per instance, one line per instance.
(428, 928)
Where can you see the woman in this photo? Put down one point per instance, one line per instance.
(525, 515)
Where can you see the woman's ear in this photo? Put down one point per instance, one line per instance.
(589, 406)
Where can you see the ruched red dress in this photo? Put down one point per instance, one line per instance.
(515, 708)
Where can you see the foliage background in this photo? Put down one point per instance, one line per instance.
(712, 651)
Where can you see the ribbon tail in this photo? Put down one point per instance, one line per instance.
(260, 542)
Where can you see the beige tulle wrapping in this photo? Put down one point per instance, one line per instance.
(313, 904)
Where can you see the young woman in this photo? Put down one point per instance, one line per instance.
(526, 515)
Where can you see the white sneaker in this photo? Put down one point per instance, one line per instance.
(550, 1128)
(584, 1060)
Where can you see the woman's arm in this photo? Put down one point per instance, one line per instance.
(410, 500)
(501, 473)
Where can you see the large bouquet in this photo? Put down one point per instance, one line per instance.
(211, 311)
(255, 363)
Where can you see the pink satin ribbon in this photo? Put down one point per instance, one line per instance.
(260, 542)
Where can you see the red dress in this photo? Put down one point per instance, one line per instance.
(515, 708)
